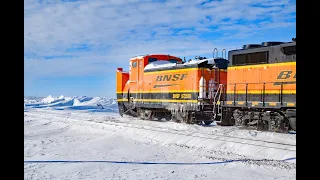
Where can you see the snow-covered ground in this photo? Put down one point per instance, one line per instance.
(90, 129)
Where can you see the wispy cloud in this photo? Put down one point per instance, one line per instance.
(72, 37)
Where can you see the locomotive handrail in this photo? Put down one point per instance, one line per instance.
(217, 97)
(225, 53)
(246, 91)
(234, 94)
(213, 52)
(263, 94)
(246, 94)
(281, 89)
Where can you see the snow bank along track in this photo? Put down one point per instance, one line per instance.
(220, 139)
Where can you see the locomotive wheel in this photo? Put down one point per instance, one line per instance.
(292, 121)
(188, 119)
(133, 113)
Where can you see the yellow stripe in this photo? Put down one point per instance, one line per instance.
(261, 65)
(229, 102)
(178, 70)
(159, 100)
(122, 100)
(174, 70)
(229, 91)
(290, 104)
(260, 92)
(167, 91)
(255, 103)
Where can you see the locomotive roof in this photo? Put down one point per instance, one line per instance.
(142, 56)
(256, 47)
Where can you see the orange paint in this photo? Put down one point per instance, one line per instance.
(121, 79)
(273, 75)
(175, 80)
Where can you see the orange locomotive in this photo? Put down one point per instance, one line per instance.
(162, 86)
(259, 89)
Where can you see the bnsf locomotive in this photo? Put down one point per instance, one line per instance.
(254, 87)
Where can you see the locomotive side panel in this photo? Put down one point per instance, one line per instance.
(161, 88)
(268, 83)
(213, 78)
(261, 89)
(121, 81)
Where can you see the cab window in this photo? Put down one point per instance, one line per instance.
(173, 60)
(134, 64)
(152, 60)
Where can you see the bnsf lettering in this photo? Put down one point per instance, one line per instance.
(159, 78)
(174, 77)
(285, 75)
(166, 78)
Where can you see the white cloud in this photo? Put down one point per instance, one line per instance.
(116, 30)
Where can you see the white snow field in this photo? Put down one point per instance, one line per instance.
(86, 138)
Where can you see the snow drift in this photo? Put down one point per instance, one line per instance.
(74, 103)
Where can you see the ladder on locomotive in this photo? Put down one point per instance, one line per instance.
(217, 101)
(217, 97)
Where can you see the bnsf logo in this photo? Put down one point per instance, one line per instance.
(174, 77)
(285, 75)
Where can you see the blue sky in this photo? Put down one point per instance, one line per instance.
(73, 47)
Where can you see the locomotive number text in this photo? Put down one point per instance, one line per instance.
(182, 96)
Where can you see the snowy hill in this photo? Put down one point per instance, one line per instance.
(75, 103)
